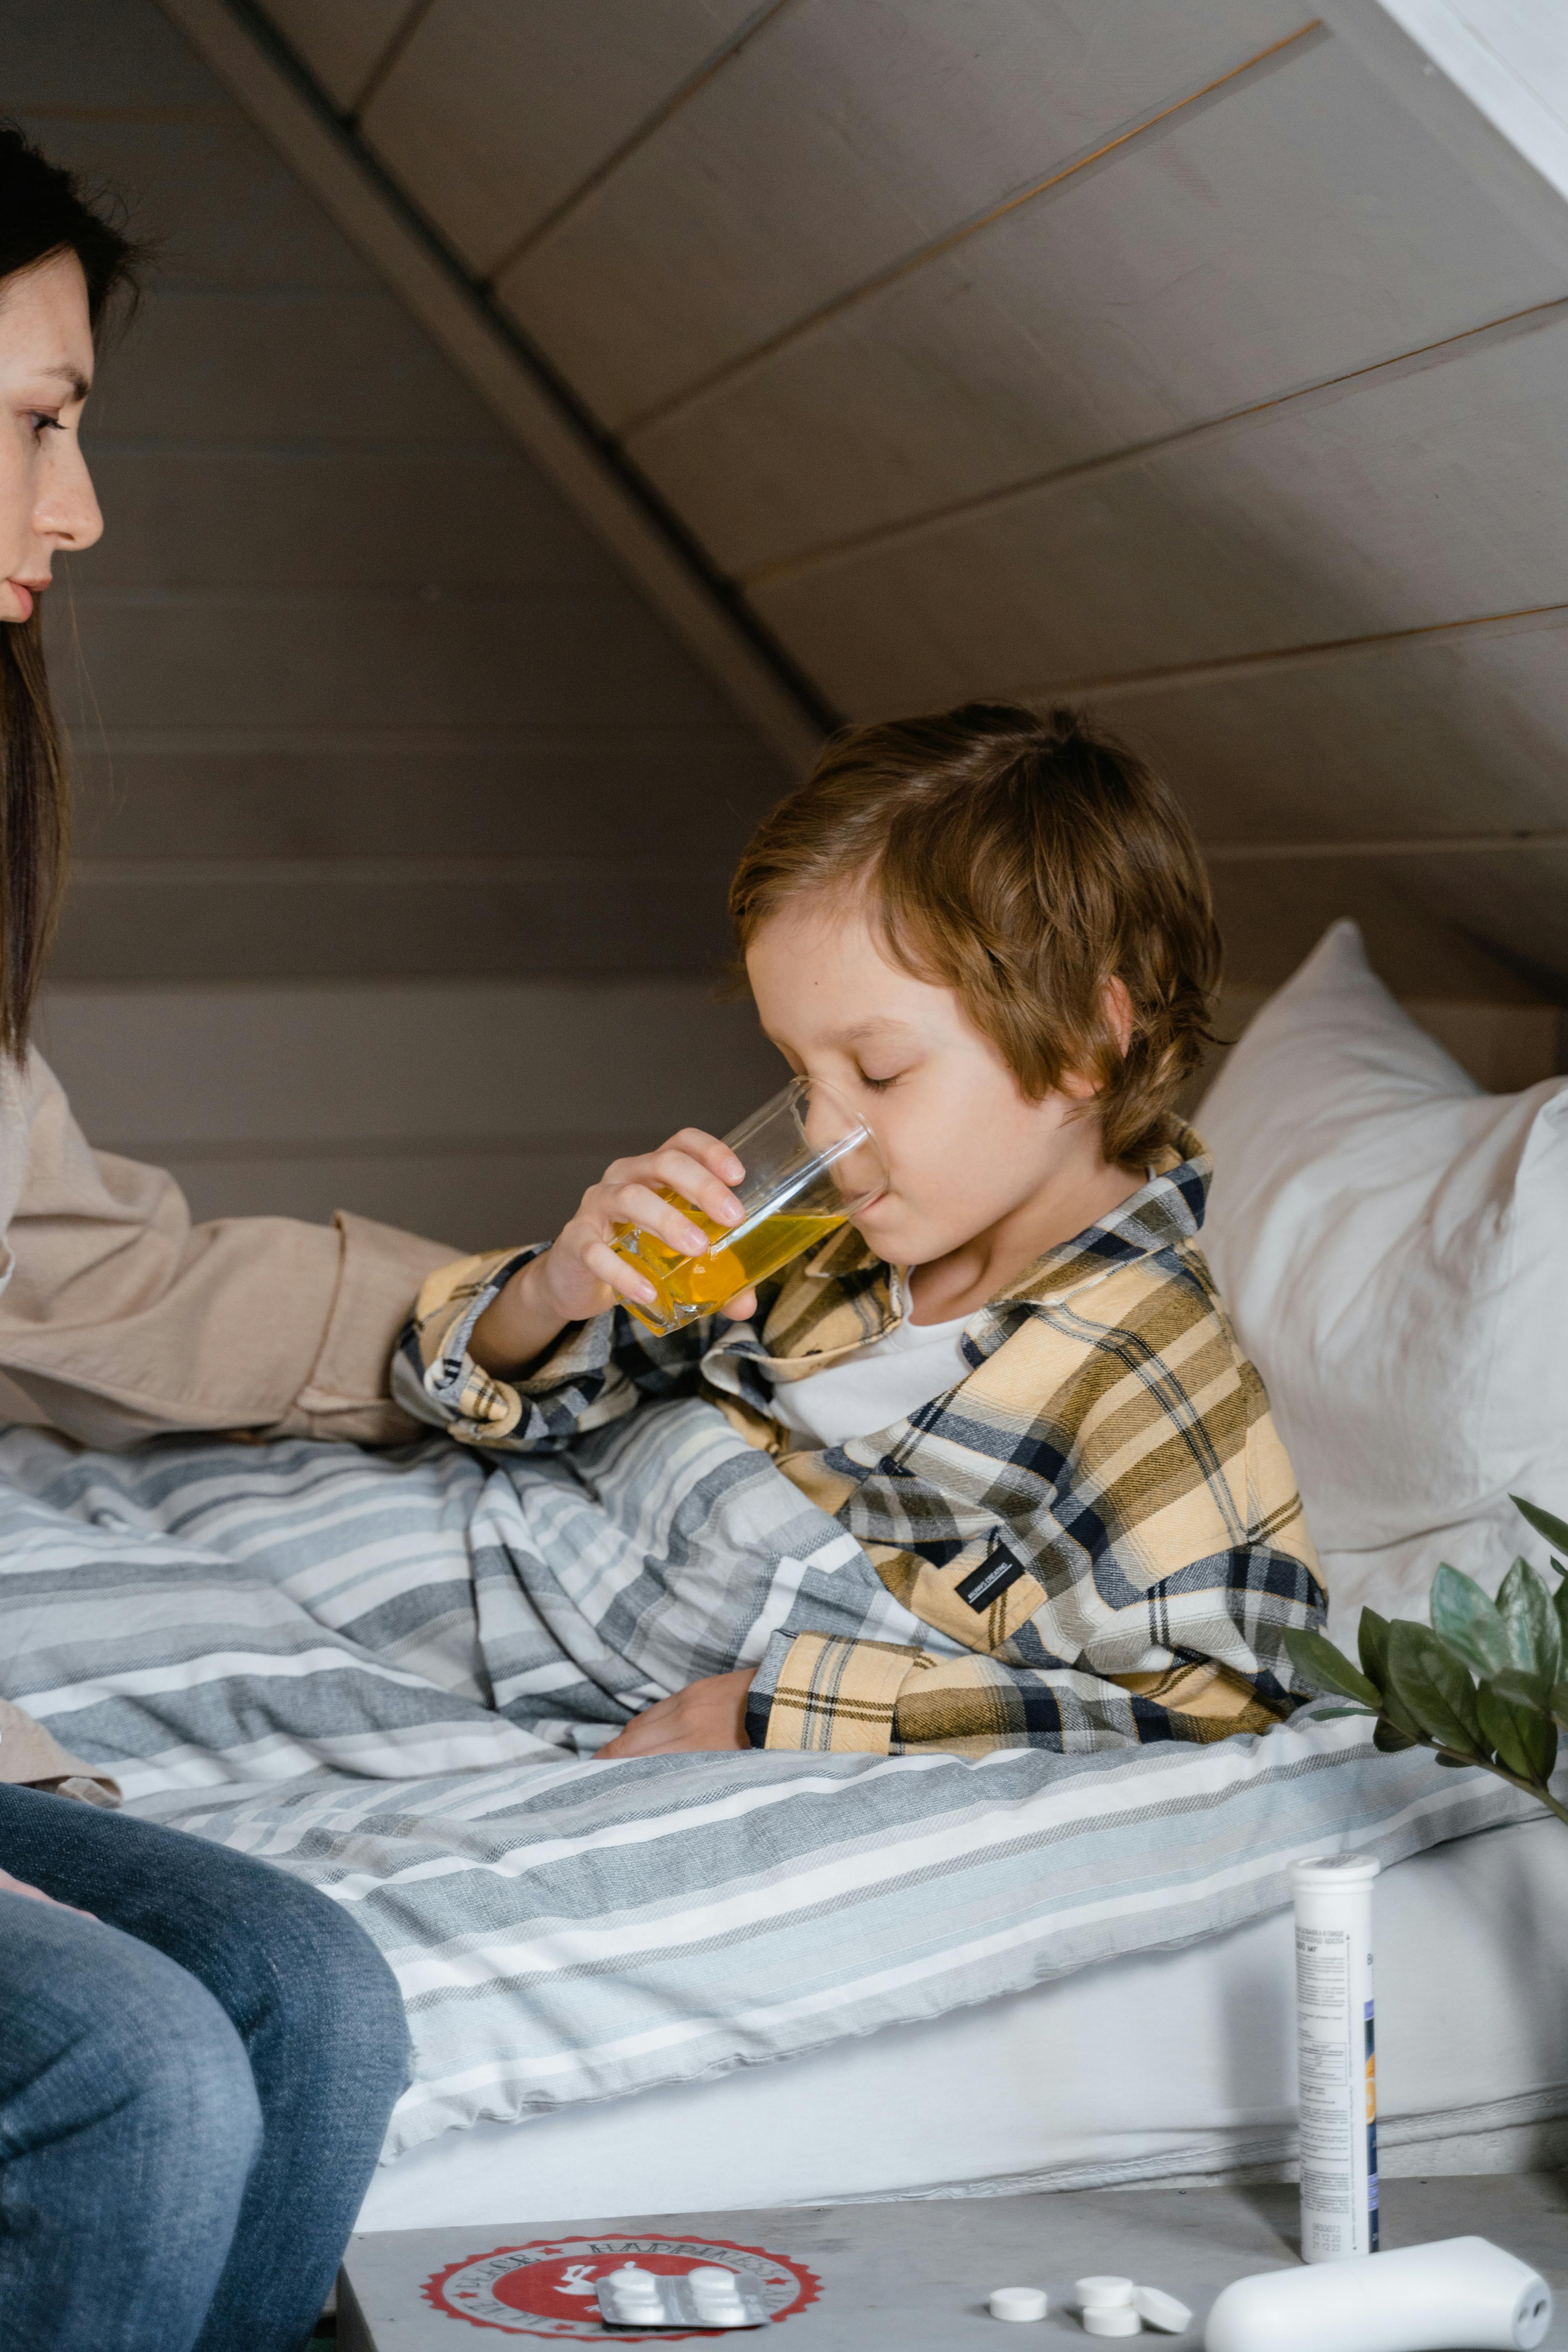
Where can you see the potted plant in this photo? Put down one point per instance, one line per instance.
(1486, 1684)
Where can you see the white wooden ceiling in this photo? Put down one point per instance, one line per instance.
(1204, 361)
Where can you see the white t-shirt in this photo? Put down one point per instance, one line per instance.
(878, 1385)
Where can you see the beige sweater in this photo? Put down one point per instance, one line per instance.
(120, 1319)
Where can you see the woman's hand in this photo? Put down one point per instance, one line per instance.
(706, 1716)
(9, 1886)
(580, 1275)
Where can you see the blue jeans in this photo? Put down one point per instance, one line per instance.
(194, 2088)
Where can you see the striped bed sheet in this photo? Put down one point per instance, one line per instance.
(359, 1667)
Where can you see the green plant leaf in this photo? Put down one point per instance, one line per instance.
(1555, 1531)
(1430, 1684)
(1388, 1739)
(1371, 1641)
(1394, 1715)
(1465, 1618)
(1332, 1713)
(1459, 1763)
(1525, 1740)
(1560, 1602)
(1521, 1689)
(1323, 1668)
(1532, 1624)
(1559, 1702)
(1542, 1743)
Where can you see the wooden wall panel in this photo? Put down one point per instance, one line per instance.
(1273, 914)
(1457, 734)
(1291, 347)
(284, 363)
(355, 696)
(1504, 1046)
(339, 918)
(1203, 365)
(1109, 312)
(475, 1113)
(173, 658)
(328, 572)
(493, 113)
(1433, 497)
(163, 793)
(1455, 741)
(347, 40)
(203, 187)
(1509, 896)
(314, 514)
(221, 1068)
(100, 56)
(845, 140)
(680, 232)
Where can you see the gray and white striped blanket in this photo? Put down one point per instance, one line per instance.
(388, 1672)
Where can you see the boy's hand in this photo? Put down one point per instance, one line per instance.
(580, 1274)
(704, 1716)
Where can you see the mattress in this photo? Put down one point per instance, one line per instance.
(1167, 2065)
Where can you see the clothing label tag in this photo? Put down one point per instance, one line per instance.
(995, 1572)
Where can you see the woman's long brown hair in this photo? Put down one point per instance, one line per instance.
(43, 213)
(35, 826)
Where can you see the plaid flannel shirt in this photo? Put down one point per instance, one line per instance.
(1100, 1515)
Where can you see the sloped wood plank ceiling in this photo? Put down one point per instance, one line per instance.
(1163, 358)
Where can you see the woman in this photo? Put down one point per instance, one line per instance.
(197, 2053)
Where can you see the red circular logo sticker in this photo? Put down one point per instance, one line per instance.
(547, 2287)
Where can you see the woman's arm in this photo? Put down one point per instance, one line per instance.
(122, 1319)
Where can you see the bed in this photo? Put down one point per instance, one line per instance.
(685, 1982)
(1162, 2066)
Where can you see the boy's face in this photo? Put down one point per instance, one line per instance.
(963, 1148)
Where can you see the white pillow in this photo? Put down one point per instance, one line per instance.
(1392, 1245)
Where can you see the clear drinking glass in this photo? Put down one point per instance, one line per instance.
(811, 1161)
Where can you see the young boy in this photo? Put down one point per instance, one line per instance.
(1009, 1379)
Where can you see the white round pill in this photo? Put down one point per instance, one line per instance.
(1160, 2310)
(1102, 2293)
(1111, 2319)
(711, 2275)
(1018, 2302)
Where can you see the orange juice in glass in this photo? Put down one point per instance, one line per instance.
(811, 1162)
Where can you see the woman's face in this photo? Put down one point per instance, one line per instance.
(46, 368)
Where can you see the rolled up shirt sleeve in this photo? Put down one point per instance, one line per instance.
(595, 1372)
(828, 1693)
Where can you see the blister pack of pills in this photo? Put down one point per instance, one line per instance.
(708, 2296)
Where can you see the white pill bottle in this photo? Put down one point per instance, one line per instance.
(1335, 2056)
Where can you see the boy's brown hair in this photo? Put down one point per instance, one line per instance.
(1022, 862)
